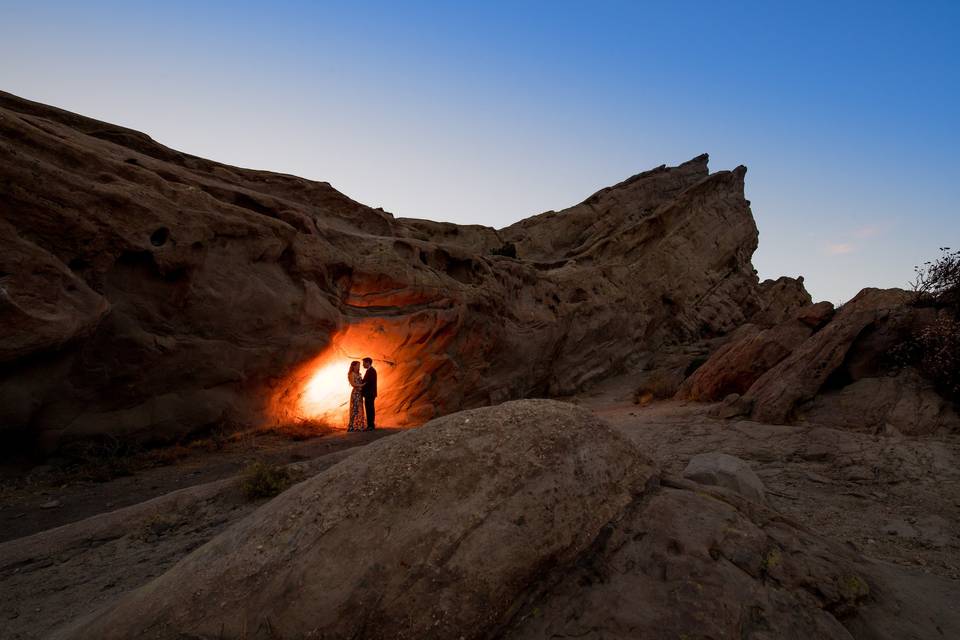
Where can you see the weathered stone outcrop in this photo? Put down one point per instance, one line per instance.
(904, 403)
(177, 293)
(801, 375)
(528, 520)
(434, 533)
(831, 369)
(750, 352)
(780, 300)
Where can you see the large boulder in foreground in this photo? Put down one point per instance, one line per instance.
(528, 520)
(436, 532)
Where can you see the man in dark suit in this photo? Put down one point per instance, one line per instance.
(370, 392)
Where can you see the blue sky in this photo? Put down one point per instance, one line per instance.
(845, 113)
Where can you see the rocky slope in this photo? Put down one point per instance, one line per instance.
(531, 519)
(148, 293)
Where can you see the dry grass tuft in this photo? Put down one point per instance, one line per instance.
(266, 480)
(301, 429)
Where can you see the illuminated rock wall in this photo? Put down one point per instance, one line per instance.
(149, 293)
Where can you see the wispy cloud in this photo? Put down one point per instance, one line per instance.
(839, 248)
(867, 231)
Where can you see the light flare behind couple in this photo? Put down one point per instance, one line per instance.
(363, 396)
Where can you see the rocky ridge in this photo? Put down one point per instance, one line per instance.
(147, 293)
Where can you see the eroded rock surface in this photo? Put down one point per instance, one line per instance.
(527, 520)
(723, 470)
(901, 404)
(434, 533)
(750, 352)
(190, 293)
(797, 378)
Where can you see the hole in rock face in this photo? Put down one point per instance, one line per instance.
(409, 354)
(159, 237)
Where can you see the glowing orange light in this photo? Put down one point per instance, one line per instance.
(408, 354)
(326, 396)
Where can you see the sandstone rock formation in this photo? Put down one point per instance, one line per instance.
(843, 374)
(527, 520)
(799, 377)
(901, 404)
(147, 292)
(750, 352)
(435, 533)
(834, 370)
(669, 366)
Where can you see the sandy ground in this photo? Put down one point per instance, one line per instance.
(893, 499)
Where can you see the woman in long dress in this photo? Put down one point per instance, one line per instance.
(357, 421)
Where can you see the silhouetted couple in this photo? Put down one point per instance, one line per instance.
(363, 397)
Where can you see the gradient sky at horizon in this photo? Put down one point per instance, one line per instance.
(845, 113)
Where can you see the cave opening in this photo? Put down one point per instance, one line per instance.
(317, 391)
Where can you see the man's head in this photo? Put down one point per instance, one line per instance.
(367, 363)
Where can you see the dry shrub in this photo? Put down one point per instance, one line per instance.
(216, 441)
(101, 459)
(937, 282)
(935, 352)
(301, 429)
(265, 480)
(935, 349)
(158, 525)
(164, 456)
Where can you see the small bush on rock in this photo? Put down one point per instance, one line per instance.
(937, 281)
(263, 480)
(935, 349)
(158, 525)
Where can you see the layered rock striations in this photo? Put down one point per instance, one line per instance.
(148, 292)
(531, 519)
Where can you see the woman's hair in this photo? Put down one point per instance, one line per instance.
(354, 368)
